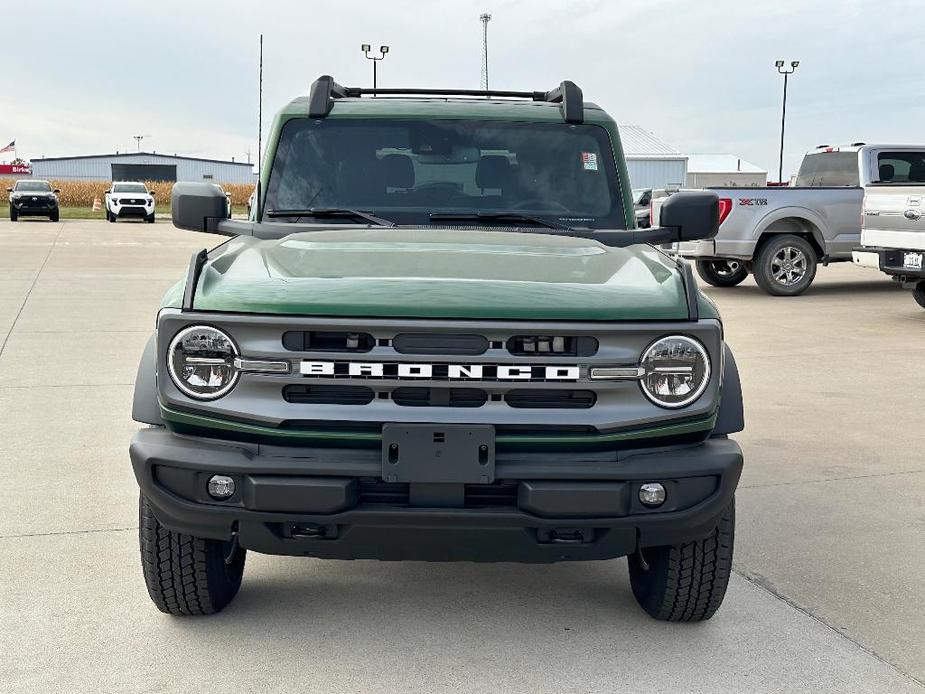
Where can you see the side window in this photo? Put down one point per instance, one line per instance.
(901, 167)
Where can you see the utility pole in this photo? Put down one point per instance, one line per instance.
(485, 18)
(783, 113)
(259, 109)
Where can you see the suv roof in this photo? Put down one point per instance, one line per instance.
(565, 103)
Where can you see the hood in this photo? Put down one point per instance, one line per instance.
(441, 273)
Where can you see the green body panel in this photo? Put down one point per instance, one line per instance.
(195, 423)
(430, 273)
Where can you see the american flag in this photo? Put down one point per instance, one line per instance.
(10, 147)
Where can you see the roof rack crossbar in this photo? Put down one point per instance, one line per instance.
(324, 90)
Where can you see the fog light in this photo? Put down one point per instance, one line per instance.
(652, 494)
(222, 487)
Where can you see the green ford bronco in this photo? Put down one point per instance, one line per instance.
(439, 337)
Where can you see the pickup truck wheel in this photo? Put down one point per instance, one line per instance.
(723, 272)
(918, 293)
(13, 215)
(785, 266)
(686, 582)
(187, 575)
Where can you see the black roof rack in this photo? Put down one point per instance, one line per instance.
(325, 90)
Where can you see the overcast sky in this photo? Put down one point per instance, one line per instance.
(84, 77)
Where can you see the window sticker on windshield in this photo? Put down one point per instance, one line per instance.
(589, 161)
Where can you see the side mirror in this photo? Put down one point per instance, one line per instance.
(56, 191)
(193, 204)
(694, 214)
(9, 190)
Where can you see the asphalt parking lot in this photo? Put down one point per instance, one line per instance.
(827, 594)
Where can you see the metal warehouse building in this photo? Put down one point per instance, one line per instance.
(652, 163)
(705, 170)
(142, 166)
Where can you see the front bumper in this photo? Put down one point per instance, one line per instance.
(332, 503)
(132, 211)
(28, 209)
(889, 261)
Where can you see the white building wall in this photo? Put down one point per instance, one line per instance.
(738, 179)
(656, 173)
(100, 168)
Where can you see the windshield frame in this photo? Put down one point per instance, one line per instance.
(143, 189)
(19, 187)
(419, 214)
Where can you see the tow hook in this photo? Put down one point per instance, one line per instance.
(309, 531)
(565, 536)
(641, 559)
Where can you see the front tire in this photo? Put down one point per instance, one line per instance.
(55, 216)
(14, 216)
(786, 265)
(722, 272)
(110, 217)
(187, 575)
(150, 218)
(686, 582)
(918, 293)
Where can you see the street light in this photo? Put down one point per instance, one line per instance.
(366, 48)
(783, 115)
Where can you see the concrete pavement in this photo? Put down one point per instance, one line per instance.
(827, 594)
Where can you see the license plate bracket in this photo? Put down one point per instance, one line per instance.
(438, 453)
(912, 261)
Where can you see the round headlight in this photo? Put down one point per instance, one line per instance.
(677, 370)
(201, 362)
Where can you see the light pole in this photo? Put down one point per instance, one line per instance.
(366, 48)
(485, 18)
(783, 114)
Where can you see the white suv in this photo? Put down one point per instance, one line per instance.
(127, 199)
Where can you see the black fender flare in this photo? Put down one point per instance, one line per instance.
(145, 406)
(731, 416)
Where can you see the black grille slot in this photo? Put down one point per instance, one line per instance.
(423, 343)
(551, 399)
(566, 345)
(328, 395)
(439, 397)
(476, 495)
(327, 341)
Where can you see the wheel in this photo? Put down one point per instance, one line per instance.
(722, 272)
(686, 582)
(55, 216)
(150, 218)
(110, 217)
(187, 575)
(13, 214)
(918, 293)
(786, 265)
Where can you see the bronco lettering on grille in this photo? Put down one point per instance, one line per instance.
(440, 372)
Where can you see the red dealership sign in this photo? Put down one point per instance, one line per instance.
(15, 169)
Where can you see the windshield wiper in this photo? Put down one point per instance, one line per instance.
(497, 217)
(332, 213)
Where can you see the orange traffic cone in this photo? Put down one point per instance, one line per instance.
(97, 205)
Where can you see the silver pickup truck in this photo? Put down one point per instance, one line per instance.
(893, 232)
(781, 233)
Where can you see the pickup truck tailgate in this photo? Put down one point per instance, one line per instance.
(894, 217)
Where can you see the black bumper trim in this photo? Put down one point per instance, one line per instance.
(890, 261)
(343, 526)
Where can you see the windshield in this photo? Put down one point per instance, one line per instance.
(33, 186)
(901, 168)
(129, 188)
(406, 170)
(829, 169)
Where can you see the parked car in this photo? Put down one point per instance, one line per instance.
(411, 353)
(781, 234)
(129, 199)
(251, 200)
(33, 198)
(642, 199)
(893, 232)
